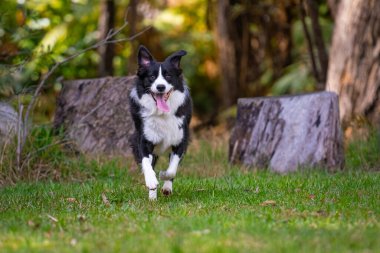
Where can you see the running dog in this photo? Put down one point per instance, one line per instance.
(161, 108)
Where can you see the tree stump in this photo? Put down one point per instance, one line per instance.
(8, 123)
(285, 133)
(94, 114)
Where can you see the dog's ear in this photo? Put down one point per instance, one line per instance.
(144, 57)
(175, 58)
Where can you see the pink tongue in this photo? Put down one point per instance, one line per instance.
(161, 104)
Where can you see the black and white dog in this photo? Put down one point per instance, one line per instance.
(161, 109)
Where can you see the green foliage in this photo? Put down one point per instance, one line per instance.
(51, 31)
(296, 79)
(35, 34)
(183, 26)
(364, 154)
(45, 32)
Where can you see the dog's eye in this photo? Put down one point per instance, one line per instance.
(152, 78)
(168, 77)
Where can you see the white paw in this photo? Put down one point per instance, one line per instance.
(165, 175)
(150, 180)
(167, 188)
(153, 194)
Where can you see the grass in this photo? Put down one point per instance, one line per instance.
(215, 208)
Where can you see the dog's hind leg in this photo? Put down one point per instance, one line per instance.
(175, 158)
(169, 174)
(167, 188)
(172, 170)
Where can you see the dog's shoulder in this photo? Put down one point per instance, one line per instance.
(134, 104)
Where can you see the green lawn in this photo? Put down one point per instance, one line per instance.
(215, 208)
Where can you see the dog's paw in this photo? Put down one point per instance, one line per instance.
(166, 192)
(167, 188)
(150, 180)
(153, 194)
(165, 175)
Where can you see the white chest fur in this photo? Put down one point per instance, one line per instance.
(164, 131)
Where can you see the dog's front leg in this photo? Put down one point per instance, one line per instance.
(150, 176)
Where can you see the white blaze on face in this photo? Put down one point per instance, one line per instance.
(161, 97)
(161, 80)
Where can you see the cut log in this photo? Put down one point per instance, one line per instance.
(94, 114)
(287, 133)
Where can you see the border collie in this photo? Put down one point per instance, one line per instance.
(161, 108)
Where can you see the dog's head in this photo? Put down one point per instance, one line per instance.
(160, 79)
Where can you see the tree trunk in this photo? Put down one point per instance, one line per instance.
(333, 6)
(354, 70)
(227, 59)
(94, 114)
(132, 22)
(106, 23)
(245, 44)
(285, 133)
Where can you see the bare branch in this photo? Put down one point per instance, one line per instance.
(109, 32)
(318, 39)
(130, 38)
(126, 16)
(309, 42)
(19, 134)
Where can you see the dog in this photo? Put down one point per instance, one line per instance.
(161, 109)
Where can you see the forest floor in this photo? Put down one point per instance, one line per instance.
(215, 207)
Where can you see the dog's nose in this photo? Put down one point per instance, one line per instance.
(160, 87)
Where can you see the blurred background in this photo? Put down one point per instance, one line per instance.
(235, 48)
